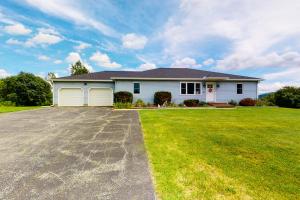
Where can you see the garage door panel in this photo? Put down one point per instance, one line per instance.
(100, 97)
(71, 97)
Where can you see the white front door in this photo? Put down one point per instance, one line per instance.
(210, 92)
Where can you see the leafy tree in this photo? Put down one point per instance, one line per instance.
(26, 89)
(288, 97)
(50, 76)
(79, 68)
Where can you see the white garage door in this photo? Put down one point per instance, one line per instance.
(71, 97)
(100, 97)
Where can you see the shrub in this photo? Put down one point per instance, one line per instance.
(123, 97)
(191, 102)
(7, 103)
(269, 99)
(161, 97)
(232, 102)
(26, 89)
(120, 105)
(247, 102)
(288, 97)
(139, 103)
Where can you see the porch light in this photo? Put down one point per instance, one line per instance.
(85, 84)
(218, 85)
(204, 85)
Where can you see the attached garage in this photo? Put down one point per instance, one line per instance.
(70, 97)
(100, 97)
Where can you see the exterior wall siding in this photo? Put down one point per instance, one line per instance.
(224, 93)
(148, 88)
(227, 91)
(58, 85)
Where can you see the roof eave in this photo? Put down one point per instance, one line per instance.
(82, 80)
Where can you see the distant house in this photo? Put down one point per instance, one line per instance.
(96, 89)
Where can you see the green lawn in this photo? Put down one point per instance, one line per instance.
(243, 153)
(4, 109)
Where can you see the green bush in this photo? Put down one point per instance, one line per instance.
(247, 102)
(288, 97)
(26, 89)
(232, 102)
(7, 103)
(269, 99)
(139, 103)
(161, 97)
(123, 97)
(120, 105)
(191, 102)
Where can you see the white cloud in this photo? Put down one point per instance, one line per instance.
(186, 62)
(43, 38)
(133, 41)
(292, 74)
(273, 59)
(12, 41)
(81, 46)
(4, 73)
(209, 61)
(266, 87)
(72, 11)
(255, 30)
(17, 29)
(57, 62)
(73, 57)
(147, 66)
(43, 58)
(103, 60)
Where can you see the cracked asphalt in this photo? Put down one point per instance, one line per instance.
(73, 153)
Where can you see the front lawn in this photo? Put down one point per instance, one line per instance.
(4, 109)
(243, 153)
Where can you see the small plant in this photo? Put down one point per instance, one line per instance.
(139, 103)
(7, 103)
(120, 105)
(161, 97)
(172, 104)
(232, 102)
(123, 97)
(247, 102)
(191, 102)
(202, 103)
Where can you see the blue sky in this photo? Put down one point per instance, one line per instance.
(249, 37)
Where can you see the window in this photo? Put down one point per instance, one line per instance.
(239, 88)
(183, 88)
(190, 88)
(198, 88)
(136, 88)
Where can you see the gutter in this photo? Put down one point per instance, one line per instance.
(80, 80)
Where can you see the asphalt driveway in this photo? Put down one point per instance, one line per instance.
(73, 153)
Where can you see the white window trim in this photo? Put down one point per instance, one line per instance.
(139, 88)
(186, 94)
(242, 88)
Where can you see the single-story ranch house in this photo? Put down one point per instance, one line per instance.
(96, 89)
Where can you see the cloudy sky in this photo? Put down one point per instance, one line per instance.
(250, 37)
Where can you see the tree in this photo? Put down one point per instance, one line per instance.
(288, 97)
(50, 77)
(79, 68)
(26, 89)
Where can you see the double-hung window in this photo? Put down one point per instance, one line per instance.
(239, 88)
(136, 88)
(189, 88)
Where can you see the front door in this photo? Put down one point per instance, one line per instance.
(210, 92)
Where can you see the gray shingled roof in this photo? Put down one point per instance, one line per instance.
(154, 73)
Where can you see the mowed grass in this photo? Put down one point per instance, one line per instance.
(243, 153)
(5, 109)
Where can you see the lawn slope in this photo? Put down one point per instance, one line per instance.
(244, 153)
(5, 109)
